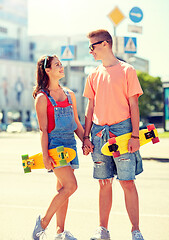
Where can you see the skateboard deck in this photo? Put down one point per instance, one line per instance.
(60, 155)
(119, 145)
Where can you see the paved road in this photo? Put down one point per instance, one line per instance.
(24, 196)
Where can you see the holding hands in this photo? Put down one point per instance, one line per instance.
(87, 146)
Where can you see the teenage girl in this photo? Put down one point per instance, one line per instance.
(58, 120)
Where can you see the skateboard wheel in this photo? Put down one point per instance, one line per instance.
(112, 140)
(25, 157)
(150, 127)
(155, 140)
(60, 149)
(116, 154)
(63, 162)
(27, 170)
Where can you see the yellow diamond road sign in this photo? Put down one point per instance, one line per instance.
(116, 16)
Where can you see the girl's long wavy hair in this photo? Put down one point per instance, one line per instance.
(42, 79)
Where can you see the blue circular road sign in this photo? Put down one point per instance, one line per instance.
(136, 14)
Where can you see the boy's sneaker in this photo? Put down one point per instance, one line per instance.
(38, 230)
(65, 236)
(136, 235)
(101, 234)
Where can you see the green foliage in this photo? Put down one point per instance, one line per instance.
(163, 135)
(152, 99)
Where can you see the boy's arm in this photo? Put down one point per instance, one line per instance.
(134, 143)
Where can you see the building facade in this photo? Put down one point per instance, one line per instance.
(13, 30)
(19, 54)
(17, 72)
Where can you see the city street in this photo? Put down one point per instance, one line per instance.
(24, 196)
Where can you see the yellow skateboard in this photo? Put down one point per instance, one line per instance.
(60, 155)
(119, 145)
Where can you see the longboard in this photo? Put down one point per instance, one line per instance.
(119, 145)
(60, 155)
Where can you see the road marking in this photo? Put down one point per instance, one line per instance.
(82, 210)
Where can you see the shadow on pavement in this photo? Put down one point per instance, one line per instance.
(163, 160)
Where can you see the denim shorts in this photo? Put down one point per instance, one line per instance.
(126, 166)
(73, 164)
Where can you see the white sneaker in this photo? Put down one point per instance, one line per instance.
(136, 235)
(65, 236)
(38, 230)
(101, 234)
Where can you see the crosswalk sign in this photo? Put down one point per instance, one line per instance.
(130, 45)
(67, 53)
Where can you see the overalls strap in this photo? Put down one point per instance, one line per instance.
(54, 104)
(68, 95)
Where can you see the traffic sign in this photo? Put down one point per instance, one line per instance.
(136, 14)
(135, 29)
(116, 16)
(67, 53)
(130, 45)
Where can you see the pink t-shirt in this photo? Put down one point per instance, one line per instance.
(111, 88)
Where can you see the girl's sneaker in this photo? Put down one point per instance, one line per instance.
(101, 234)
(136, 235)
(38, 230)
(65, 236)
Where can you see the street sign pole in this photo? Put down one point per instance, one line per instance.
(116, 43)
(68, 64)
(68, 54)
(116, 16)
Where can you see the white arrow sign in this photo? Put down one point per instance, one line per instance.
(136, 15)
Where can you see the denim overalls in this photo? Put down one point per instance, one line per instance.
(65, 125)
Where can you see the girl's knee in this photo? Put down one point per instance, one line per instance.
(71, 188)
(74, 187)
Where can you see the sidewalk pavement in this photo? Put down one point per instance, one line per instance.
(158, 151)
(25, 196)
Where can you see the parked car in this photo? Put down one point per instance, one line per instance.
(31, 126)
(28, 126)
(16, 127)
(3, 127)
(143, 125)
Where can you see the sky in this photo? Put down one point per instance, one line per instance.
(74, 17)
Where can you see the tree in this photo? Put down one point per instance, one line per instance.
(152, 99)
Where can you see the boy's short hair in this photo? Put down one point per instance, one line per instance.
(101, 35)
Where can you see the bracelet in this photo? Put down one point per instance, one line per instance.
(86, 137)
(135, 137)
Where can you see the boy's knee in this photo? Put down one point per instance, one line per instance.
(127, 185)
(105, 183)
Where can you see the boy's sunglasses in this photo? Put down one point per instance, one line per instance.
(91, 47)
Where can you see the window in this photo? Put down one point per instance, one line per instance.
(3, 30)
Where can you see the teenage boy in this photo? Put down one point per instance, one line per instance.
(112, 90)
